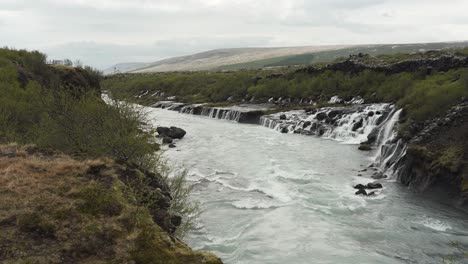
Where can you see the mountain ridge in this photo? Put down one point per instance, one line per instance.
(262, 57)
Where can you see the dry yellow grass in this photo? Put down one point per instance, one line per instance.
(55, 209)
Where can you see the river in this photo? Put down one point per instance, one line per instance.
(269, 197)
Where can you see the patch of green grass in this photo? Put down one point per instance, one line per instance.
(36, 224)
(100, 200)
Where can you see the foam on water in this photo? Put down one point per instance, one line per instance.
(434, 224)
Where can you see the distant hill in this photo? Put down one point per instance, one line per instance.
(124, 67)
(332, 55)
(251, 58)
(215, 58)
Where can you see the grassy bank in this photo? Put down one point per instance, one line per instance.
(57, 209)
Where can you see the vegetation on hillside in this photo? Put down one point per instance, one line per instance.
(328, 56)
(109, 200)
(424, 94)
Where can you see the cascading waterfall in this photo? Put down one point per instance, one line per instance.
(350, 124)
(212, 112)
(389, 152)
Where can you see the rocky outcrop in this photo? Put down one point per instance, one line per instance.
(353, 66)
(437, 156)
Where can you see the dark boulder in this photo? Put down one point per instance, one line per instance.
(360, 186)
(378, 175)
(321, 116)
(306, 124)
(172, 145)
(176, 132)
(283, 117)
(372, 137)
(167, 140)
(361, 191)
(163, 131)
(358, 124)
(372, 185)
(364, 147)
(172, 132)
(370, 114)
(284, 130)
(176, 220)
(334, 113)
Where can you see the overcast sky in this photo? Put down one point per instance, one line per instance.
(104, 32)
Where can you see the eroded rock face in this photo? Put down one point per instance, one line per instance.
(435, 156)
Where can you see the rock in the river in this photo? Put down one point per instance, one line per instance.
(176, 132)
(360, 186)
(372, 137)
(321, 116)
(163, 131)
(172, 132)
(167, 140)
(378, 175)
(372, 185)
(284, 130)
(334, 113)
(358, 124)
(370, 114)
(283, 117)
(172, 145)
(306, 124)
(361, 191)
(364, 147)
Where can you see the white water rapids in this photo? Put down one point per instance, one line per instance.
(269, 197)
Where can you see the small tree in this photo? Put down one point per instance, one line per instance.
(68, 62)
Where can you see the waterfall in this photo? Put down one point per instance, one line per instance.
(350, 124)
(389, 152)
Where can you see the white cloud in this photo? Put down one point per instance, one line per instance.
(103, 32)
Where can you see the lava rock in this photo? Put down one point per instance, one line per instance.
(321, 116)
(361, 191)
(167, 140)
(372, 185)
(334, 113)
(364, 147)
(358, 124)
(176, 220)
(163, 131)
(372, 137)
(378, 175)
(176, 132)
(360, 186)
(172, 132)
